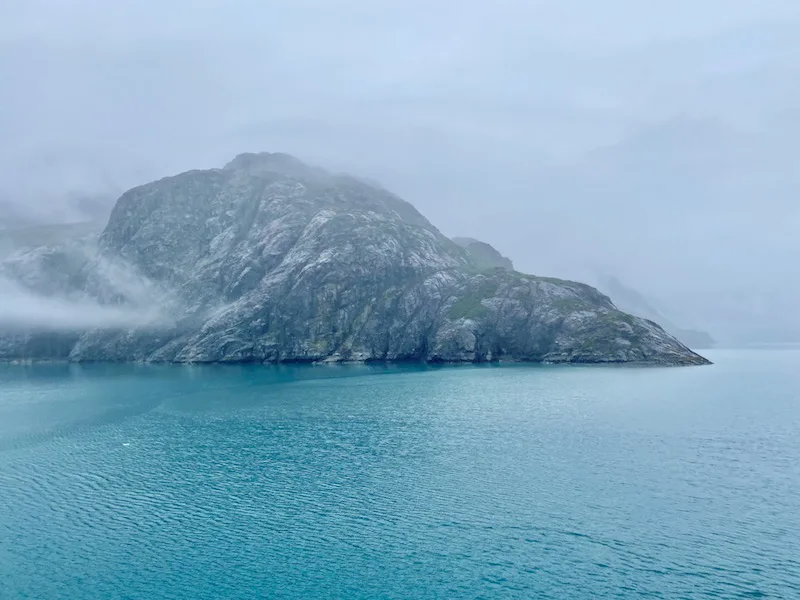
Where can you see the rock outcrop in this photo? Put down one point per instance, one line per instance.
(270, 260)
(484, 255)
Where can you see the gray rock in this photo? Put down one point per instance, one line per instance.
(271, 260)
(484, 255)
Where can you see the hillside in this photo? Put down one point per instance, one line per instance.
(269, 260)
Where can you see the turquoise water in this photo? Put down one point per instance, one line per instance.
(353, 482)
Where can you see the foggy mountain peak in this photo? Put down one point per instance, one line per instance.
(656, 140)
(273, 162)
(249, 264)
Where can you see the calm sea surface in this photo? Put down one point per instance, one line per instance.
(149, 483)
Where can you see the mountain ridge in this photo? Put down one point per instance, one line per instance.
(485, 255)
(633, 302)
(270, 260)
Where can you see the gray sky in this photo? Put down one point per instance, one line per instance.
(654, 140)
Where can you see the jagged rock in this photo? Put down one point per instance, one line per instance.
(484, 255)
(271, 260)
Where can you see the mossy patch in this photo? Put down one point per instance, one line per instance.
(468, 308)
(470, 304)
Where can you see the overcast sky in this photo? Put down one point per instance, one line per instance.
(658, 141)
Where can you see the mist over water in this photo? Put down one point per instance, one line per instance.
(651, 144)
(38, 291)
(22, 309)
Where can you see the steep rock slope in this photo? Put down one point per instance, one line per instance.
(271, 260)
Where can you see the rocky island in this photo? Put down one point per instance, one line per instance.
(271, 260)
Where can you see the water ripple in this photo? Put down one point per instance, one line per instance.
(462, 483)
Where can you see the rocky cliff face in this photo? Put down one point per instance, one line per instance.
(271, 260)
